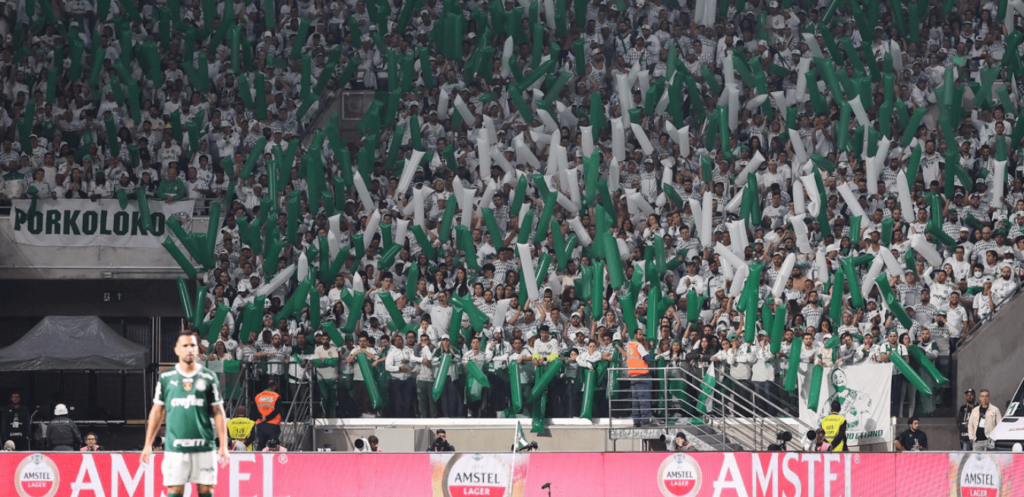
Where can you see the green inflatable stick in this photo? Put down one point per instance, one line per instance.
(371, 381)
(919, 359)
(911, 375)
(454, 326)
(835, 306)
(122, 198)
(387, 258)
(815, 389)
(186, 298)
(778, 329)
(179, 257)
(851, 280)
(694, 304)
(794, 367)
(651, 331)
(589, 383)
(537, 411)
(333, 333)
(628, 304)
(199, 307)
(518, 196)
(424, 242)
(397, 322)
(474, 372)
(354, 303)
(767, 318)
(412, 281)
(887, 225)
(445, 232)
(540, 386)
(611, 252)
(440, 375)
(217, 323)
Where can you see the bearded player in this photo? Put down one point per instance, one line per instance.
(189, 396)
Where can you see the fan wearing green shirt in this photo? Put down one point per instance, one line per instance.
(171, 188)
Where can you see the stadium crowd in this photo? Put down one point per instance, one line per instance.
(642, 151)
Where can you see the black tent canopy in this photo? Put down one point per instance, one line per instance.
(73, 343)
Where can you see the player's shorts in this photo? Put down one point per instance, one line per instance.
(182, 468)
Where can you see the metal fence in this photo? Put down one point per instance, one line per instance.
(723, 415)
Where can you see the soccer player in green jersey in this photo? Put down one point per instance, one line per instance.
(189, 396)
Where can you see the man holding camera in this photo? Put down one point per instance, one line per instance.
(441, 443)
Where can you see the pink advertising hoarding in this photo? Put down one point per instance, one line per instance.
(774, 474)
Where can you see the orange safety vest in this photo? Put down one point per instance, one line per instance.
(634, 360)
(265, 403)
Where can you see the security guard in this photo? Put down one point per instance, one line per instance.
(637, 359)
(835, 429)
(240, 428)
(269, 425)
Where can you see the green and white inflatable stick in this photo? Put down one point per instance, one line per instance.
(891, 302)
(515, 386)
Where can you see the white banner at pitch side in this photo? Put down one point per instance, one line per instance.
(863, 392)
(84, 223)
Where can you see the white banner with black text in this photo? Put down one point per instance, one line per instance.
(85, 223)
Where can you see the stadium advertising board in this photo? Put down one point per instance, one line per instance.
(84, 223)
(775, 474)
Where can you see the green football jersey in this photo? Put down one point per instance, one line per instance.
(189, 401)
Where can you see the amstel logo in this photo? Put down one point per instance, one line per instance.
(979, 477)
(36, 476)
(475, 475)
(679, 476)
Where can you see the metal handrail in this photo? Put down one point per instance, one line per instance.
(752, 428)
(240, 392)
(294, 425)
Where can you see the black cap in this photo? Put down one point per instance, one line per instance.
(969, 390)
(273, 442)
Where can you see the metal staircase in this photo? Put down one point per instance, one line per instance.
(732, 418)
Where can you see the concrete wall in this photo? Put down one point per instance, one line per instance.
(471, 435)
(30, 262)
(138, 298)
(993, 357)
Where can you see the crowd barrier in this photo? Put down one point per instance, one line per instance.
(775, 474)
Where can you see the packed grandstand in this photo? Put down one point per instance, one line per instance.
(769, 205)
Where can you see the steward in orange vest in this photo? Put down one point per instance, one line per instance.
(269, 425)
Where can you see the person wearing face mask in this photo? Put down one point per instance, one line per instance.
(977, 276)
